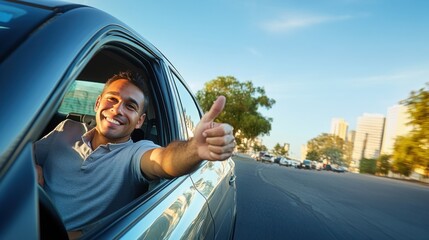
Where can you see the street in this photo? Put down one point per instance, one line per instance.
(277, 202)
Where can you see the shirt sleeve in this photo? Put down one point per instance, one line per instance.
(141, 147)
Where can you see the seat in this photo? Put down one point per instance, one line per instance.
(89, 120)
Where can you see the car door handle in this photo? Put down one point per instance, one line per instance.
(232, 179)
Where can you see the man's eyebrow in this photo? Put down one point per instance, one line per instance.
(132, 100)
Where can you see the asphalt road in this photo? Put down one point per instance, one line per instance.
(276, 202)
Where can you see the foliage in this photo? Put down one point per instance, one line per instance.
(313, 155)
(383, 165)
(368, 166)
(327, 147)
(241, 110)
(404, 155)
(260, 148)
(281, 150)
(412, 151)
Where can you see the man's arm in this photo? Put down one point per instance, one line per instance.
(211, 141)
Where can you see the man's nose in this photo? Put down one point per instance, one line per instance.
(118, 108)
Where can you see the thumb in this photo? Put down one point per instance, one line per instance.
(215, 110)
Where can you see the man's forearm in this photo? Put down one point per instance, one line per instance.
(177, 159)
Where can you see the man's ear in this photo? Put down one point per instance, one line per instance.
(141, 120)
(97, 103)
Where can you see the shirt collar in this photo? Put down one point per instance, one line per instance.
(88, 136)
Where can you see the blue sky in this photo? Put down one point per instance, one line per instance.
(318, 59)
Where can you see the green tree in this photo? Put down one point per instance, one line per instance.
(368, 166)
(327, 147)
(418, 139)
(404, 155)
(313, 155)
(241, 110)
(281, 150)
(260, 148)
(383, 165)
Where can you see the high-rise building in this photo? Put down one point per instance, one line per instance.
(339, 127)
(303, 151)
(396, 125)
(368, 138)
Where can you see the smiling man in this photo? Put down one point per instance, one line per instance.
(90, 173)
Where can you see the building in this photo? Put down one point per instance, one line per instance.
(368, 138)
(339, 127)
(396, 125)
(303, 151)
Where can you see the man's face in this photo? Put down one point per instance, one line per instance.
(118, 111)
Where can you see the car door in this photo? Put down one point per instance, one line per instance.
(214, 180)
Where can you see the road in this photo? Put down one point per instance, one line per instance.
(276, 202)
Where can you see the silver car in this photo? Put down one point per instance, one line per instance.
(54, 59)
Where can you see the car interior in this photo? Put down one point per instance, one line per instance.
(104, 64)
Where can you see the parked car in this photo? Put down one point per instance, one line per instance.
(284, 161)
(259, 156)
(276, 159)
(54, 59)
(267, 158)
(335, 168)
(306, 164)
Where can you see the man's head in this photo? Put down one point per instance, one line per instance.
(134, 78)
(121, 107)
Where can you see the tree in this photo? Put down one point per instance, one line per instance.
(368, 166)
(260, 148)
(241, 110)
(383, 165)
(326, 147)
(313, 155)
(404, 155)
(281, 150)
(417, 142)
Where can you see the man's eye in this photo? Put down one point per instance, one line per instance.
(132, 107)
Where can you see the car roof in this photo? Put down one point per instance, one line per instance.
(18, 20)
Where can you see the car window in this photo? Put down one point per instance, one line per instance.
(80, 97)
(191, 113)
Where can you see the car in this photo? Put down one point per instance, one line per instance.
(54, 60)
(306, 164)
(260, 155)
(284, 161)
(267, 158)
(276, 159)
(335, 168)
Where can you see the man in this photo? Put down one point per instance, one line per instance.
(91, 173)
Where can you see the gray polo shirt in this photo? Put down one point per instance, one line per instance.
(88, 185)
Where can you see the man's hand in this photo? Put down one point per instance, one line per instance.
(215, 141)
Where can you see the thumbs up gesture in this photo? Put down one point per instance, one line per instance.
(215, 141)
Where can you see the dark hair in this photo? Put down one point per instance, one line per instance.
(136, 79)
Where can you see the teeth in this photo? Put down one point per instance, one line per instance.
(112, 121)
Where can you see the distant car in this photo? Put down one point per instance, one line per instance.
(277, 159)
(339, 169)
(54, 60)
(335, 168)
(259, 156)
(306, 164)
(267, 158)
(284, 161)
(294, 163)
